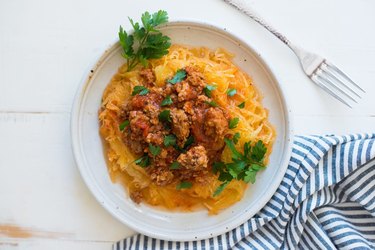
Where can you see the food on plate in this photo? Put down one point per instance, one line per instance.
(183, 126)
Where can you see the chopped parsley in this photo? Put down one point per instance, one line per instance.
(212, 103)
(190, 140)
(167, 101)
(144, 161)
(231, 92)
(170, 140)
(165, 116)
(233, 122)
(154, 150)
(241, 105)
(184, 185)
(178, 77)
(140, 90)
(175, 165)
(208, 89)
(123, 125)
(236, 137)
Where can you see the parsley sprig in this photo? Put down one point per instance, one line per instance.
(146, 42)
(244, 166)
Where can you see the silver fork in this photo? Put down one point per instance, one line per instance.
(319, 70)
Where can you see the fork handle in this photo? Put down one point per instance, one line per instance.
(309, 61)
(253, 15)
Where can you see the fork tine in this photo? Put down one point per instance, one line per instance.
(332, 83)
(318, 80)
(343, 75)
(326, 70)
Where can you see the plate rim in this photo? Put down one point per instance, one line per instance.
(95, 189)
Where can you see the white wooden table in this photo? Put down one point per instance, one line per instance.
(46, 45)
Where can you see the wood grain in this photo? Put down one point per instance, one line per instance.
(15, 231)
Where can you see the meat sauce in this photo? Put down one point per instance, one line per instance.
(198, 129)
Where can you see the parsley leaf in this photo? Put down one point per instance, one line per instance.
(146, 39)
(123, 125)
(235, 168)
(208, 89)
(144, 161)
(212, 103)
(235, 154)
(250, 176)
(184, 185)
(231, 92)
(220, 188)
(174, 165)
(159, 17)
(225, 176)
(246, 149)
(126, 42)
(154, 150)
(258, 152)
(233, 122)
(217, 166)
(236, 137)
(241, 105)
(178, 77)
(165, 116)
(190, 140)
(170, 140)
(140, 90)
(166, 101)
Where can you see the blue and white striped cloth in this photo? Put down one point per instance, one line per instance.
(325, 201)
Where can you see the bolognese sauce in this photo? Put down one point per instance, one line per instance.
(191, 118)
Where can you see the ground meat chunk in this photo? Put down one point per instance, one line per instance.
(148, 76)
(188, 108)
(185, 91)
(152, 112)
(136, 196)
(155, 138)
(195, 78)
(192, 86)
(169, 89)
(139, 124)
(195, 159)
(161, 176)
(202, 100)
(215, 125)
(180, 125)
(139, 102)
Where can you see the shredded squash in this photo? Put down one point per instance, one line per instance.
(219, 70)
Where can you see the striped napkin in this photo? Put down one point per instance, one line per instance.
(325, 201)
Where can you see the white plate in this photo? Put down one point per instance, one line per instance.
(88, 149)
